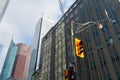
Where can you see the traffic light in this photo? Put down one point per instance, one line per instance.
(71, 73)
(79, 48)
(66, 72)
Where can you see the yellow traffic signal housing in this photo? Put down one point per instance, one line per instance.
(79, 48)
(66, 72)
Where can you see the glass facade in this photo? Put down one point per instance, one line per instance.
(32, 64)
(43, 26)
(9, 61)
(3, 6)
(101, 47)
(34, 53)
(22, 60)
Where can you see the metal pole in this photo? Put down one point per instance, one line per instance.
(108, 18)
(113, 74)
(73, 50)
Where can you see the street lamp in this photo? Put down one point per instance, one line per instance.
(85, 26)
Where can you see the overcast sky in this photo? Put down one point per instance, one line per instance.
(21, 17)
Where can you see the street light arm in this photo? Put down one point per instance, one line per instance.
(81, 28)
(73, 22)
(89, 22)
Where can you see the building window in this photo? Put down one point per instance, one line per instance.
(98, 9)
(87, 40)
(89, 9)
(71, 16)
(82, 13)
(109, 42)
(105, 28)
(102, 62)
(118, 75)
(67, 20)
(90, 52)
(114, 57)
(107, 77)
(84, 69)
(119, 36)
(81, 6)
(93, 66)
(77, 18)
(99, 47)
(95, 34)
(76, 11)
(106, 32)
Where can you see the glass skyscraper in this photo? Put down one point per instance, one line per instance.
(42, 27)
(9, 61)
(3, 6)
(20, 70)
(35, 49)
(101, 46)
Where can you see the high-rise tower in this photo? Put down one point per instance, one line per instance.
(21, 65)
(42, 27)
(9, 61)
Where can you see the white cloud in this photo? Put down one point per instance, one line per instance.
(20, 19)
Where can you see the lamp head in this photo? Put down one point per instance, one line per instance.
(100, 26)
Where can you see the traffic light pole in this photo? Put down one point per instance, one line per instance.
(73, 52)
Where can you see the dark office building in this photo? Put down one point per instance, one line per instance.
(101, 46)
(36, 75)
